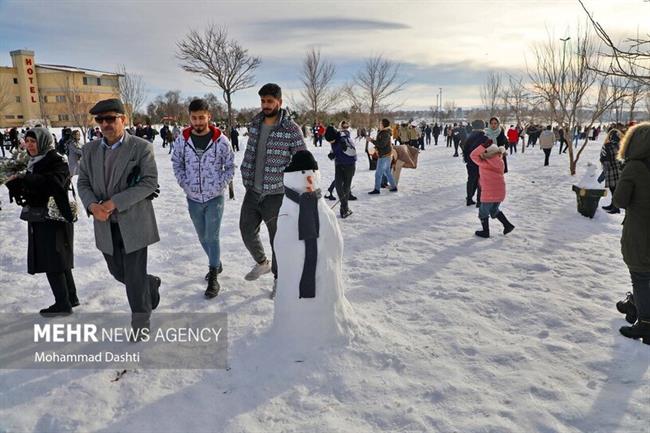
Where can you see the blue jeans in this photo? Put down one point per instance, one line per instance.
(488, 210)
(383, 169)
(207, 223)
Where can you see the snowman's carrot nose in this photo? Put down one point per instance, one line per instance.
(310, 183)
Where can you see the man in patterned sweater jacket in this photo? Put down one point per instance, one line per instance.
(273, 138)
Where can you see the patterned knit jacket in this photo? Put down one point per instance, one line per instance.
(284, 141)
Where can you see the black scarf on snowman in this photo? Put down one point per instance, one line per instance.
(308, 222)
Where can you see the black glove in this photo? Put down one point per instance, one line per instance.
(331, 155)
(154, 194)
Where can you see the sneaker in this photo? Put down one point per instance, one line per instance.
(393, 189)
(374, 191)
(258, 270)
(346, 214)
(274, 289)
(330, 196)
(220, 270)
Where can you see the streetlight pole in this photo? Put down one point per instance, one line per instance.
(564, 41)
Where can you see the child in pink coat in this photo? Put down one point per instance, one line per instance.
(489, 159)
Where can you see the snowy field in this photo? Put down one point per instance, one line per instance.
(455, 333)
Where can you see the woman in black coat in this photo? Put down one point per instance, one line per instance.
(50, 243)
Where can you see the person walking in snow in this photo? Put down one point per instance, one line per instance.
(489, 158)
(612, 166)
(273, 139)
(633, 194)
(546, 143)
(204, 164)
(495, 132)
(473, 141)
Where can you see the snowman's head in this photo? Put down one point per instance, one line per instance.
(302, 174)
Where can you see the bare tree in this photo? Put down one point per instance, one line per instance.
(567, 81)
(219, 60)
(492, 92)
(132, 91)
(316, 76)
(373, 86)
(78, 106)
(631, 59)
(515, 99)
(449, 109)
(637, 91)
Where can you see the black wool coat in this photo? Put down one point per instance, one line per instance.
(50, 243)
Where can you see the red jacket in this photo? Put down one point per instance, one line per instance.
(513, 135)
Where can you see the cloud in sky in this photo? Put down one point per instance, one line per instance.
(439, 43)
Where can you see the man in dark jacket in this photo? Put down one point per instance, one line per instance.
(345, 160)
(473, 141)
(384, 150)
(273, 139)
(436, 132)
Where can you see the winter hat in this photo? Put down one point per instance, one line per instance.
(487, 143)
(478, 124)
(108, 105)
(330, 133)
(302, 160)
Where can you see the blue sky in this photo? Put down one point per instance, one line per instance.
(440, 43)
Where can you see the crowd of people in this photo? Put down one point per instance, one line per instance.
(118, 179)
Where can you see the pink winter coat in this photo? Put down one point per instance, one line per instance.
(491, 179)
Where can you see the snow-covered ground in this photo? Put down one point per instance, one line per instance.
(455, 333)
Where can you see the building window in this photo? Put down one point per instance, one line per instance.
(10, 116)
(77, 98)
(44, 99)
(20, 116)
(99, 81)
(64, 117)
(85, 81)
(60, 98)
(18, 99)
(15, 80)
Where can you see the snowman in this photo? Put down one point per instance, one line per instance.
(310, 307)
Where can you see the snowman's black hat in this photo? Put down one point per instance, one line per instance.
(302, 160)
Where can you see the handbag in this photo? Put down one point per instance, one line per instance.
(50, 212)
(53, 212)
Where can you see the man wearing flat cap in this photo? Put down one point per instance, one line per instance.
(117, 179)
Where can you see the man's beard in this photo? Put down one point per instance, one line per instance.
(200, 128)
(273, 113)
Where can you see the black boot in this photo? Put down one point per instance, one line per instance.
(607, 207)
(207, 276)
(485, 233)
(154, 287)
(614, 210)
(59, 288)
(470, 202)
(628, 308)
(213, 285)
(507, 227)
(639, 330)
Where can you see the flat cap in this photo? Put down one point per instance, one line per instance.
(107, 105)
